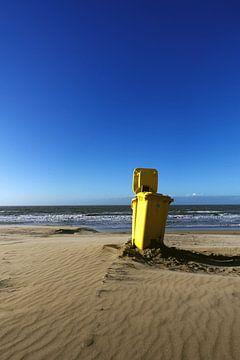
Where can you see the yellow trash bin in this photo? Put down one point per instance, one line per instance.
(150, 209)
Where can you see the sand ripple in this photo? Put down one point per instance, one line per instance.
(67, 296)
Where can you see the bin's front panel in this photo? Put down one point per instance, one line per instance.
(158, 212)
(140, 224)
(156, 216)
(134, 215)
(163, 216)
(153, 222)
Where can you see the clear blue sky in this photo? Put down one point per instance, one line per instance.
(91, 89)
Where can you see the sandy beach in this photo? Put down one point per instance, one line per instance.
(66, 295)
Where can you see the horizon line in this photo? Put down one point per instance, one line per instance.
(125, 201)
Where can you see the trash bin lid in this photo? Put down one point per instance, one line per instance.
(145, 179)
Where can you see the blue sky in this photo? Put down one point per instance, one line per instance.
(89, 90)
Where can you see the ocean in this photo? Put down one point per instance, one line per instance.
(118, 218)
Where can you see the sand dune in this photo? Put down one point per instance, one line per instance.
(68, 296)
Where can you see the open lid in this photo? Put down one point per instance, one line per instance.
(145, 180)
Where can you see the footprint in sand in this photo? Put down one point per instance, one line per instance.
(6, 285)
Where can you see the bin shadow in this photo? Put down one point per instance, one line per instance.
(185, 256)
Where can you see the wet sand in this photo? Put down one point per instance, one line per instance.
(72, 295)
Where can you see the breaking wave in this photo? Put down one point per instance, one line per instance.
(118, 218)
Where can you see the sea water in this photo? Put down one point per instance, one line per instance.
(118, 218)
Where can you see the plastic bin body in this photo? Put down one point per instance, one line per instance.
(150, 211)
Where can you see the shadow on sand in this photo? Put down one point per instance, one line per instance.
(159, 252)
(187, 255)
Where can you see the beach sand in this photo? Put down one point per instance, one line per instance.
(67, 295)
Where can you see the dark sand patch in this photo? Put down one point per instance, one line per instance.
(75, 231)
